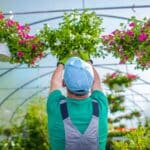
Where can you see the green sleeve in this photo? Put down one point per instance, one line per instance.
(103, 117)
(53, 100)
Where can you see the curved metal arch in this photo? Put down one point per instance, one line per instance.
(34, 94)
(80, 9)
(43, 75)
(59, 17)
(4, 73)
(140, 95)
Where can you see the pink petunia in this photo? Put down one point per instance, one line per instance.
(30, 36)
(131, 76)
(1, 16)
(41, 55)
(116, 32)
(113, 74)
(20, 27)
(132, 24)
(119, 46)
(142, 37)
(112, 42)
(20, 54)
(130, 33)
(10, 22)
(22, 42)
(33, 46)
(34, 60)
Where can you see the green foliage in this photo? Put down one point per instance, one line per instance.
(78, 34)
(32, 134)
(117, 82)
(135, 140)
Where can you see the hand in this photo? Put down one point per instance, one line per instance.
(85, 56)
(64, 60)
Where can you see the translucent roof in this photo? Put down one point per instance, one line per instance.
(19, 84)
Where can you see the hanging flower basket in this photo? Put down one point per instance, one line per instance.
(118, 81)
(131, 43)
(78, 34)
(4, 52)
(22, 47)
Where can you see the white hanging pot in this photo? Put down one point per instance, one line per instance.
(118, 88)
(4, 52)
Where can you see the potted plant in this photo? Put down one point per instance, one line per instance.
(23, 47)
(78, 34)
(131, 43)
(117, 81)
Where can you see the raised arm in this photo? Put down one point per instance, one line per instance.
(97, 82)
(56, 80)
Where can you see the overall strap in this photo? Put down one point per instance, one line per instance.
(95, 108)
(64, 110)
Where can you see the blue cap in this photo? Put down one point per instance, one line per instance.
(78, 76)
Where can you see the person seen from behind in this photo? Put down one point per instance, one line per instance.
(77, 121)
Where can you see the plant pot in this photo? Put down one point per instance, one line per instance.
(118, 88)
(4, 52)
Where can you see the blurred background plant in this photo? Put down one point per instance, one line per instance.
(117, 81)
(31, 133)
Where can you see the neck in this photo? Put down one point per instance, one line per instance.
(78, 97)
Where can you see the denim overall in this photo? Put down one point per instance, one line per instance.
(74, 140)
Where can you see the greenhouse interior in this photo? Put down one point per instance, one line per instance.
(39, 36)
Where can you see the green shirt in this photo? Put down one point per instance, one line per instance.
(80, 112)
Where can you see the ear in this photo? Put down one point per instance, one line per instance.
(63, 83)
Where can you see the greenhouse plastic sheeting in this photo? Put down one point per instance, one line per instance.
(18, 83)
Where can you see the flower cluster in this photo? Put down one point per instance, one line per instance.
(78, 34)
(119, 80)
(24, 48)
(131, 43)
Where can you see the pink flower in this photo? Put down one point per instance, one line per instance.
(20, 27)
(10, 22)
(130, 33)
(116, 32)
(22, 34)
(41, 55)
(148, 64)
(131, 76)
(119, 46)
(113, 74)
(142, 37)
(22, 42)
(30, 36)
(132, 24)
(122, 62)
(34, 60)
(111, 42)
(20, 54)
(33, 46)
(1, 15)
